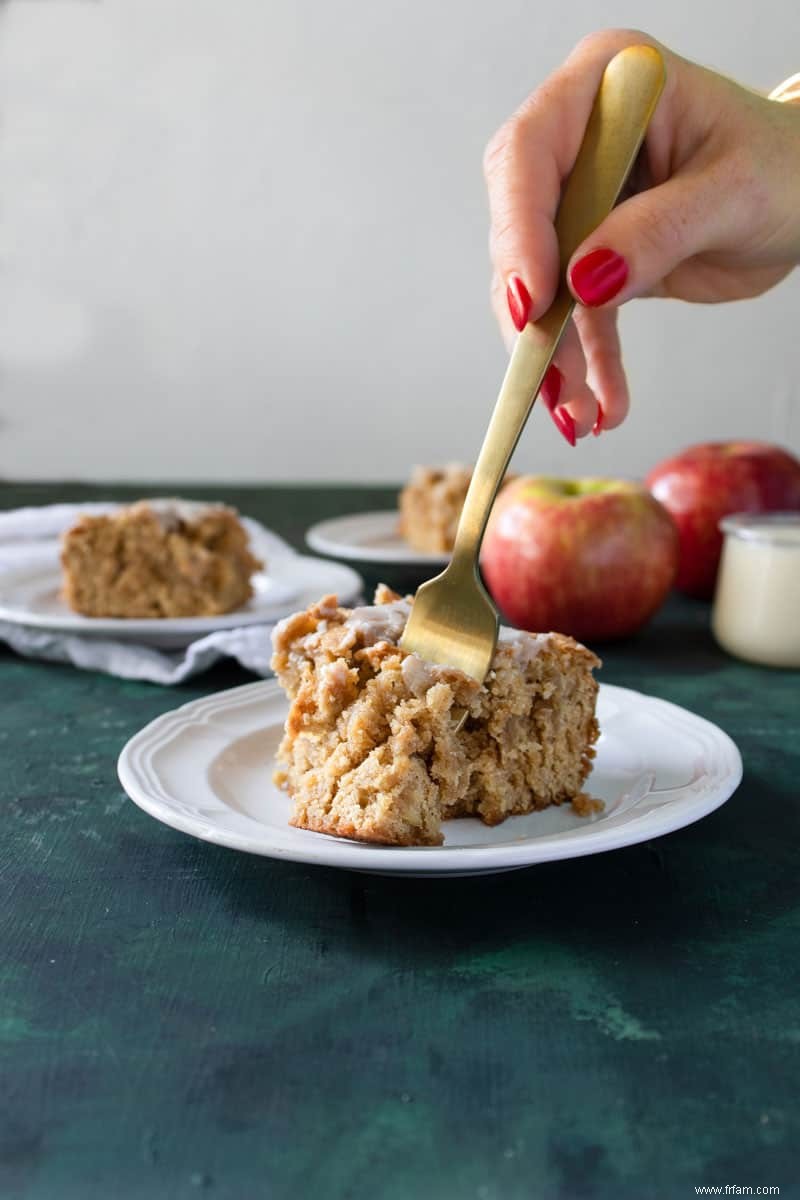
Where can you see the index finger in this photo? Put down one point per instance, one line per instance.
(528, 159)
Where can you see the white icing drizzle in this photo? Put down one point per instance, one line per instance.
(335, 675)
(373, 623)
(280, 629)
(419, 675)
(379, 622)
(171, 512)
(386, 622)
(524, 646)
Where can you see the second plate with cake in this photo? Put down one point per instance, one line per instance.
(31, 596)
(370, 537)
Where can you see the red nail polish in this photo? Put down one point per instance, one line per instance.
(551, 386)
(564, 424)
(598, 276)
(519, 302)
(550, 391)
(597, 428)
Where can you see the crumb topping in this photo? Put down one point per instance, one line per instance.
(371, 749)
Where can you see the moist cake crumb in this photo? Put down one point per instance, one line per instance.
(370, 749)
(158, 558)
(584, 805)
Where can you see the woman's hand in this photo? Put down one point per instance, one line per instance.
(711, 213)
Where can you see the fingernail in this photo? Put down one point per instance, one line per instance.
(551, 386)
(519, 302)
(564, 424)
(598, 276)
(597, 428)
(550, 390)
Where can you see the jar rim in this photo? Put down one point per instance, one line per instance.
(778, 527)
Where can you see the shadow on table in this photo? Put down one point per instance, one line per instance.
(667, 647)
(701, 883)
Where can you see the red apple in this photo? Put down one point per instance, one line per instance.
(705, 483)
(593, 558)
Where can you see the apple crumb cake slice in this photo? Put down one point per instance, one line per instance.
(370, 749)
(431, 504)
(158, 558)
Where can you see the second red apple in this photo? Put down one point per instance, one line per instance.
(705, 483)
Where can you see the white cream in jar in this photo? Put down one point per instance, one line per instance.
(756, 613)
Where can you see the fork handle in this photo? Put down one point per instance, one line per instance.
(626, 99)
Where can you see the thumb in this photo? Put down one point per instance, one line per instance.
(643, 240)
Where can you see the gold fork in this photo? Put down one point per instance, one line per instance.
(453, 620)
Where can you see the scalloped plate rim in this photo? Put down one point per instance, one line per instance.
(614, 831)
(331, 537)
(304, 577)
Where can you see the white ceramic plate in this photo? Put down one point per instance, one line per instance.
(368, 537)
(206, 769)
(32, 596)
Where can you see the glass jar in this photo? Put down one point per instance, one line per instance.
(756, 613)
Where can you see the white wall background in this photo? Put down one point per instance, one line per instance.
(247, 240)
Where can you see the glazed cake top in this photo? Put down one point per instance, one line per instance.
(172, 512)
(386, 622)
(370, 624)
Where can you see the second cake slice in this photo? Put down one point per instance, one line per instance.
(158, 558)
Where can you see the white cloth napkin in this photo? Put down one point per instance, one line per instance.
(29, 537)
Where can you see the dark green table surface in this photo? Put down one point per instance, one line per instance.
(180, 1020)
